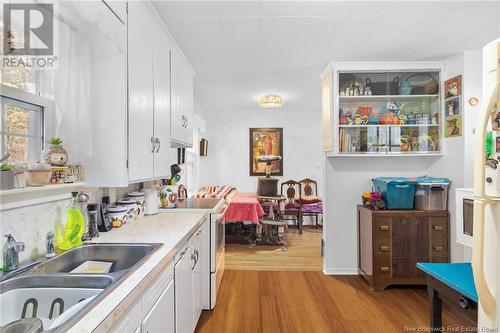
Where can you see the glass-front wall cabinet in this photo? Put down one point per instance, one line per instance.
(394, 112)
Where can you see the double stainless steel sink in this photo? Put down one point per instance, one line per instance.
(47, 297)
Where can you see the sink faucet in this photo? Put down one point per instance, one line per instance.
(11, 251)
(51, 249)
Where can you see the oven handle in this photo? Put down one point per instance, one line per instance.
(220, 216)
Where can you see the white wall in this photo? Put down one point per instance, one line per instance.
(228, 149)
(347, 178)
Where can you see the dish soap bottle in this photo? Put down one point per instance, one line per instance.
(74, 228)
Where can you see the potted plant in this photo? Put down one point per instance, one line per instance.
(55, 154)
(6, 177)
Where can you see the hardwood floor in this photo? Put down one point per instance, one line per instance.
(272, 301)
(302, 253)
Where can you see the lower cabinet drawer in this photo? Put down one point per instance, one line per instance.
(129, 322)
(152, 293)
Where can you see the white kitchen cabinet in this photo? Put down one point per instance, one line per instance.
(198, 277)
(191, 271)
(103, 127)
(141, 142)
(162, 48)
(184, 280)
(182, 101)
(130, 322)
(161, 317)
(119, 8)
(141, 101)
(149, 95)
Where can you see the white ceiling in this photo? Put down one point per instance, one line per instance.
(241, 49)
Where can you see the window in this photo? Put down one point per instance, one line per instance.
(192, 159)
(22, 128)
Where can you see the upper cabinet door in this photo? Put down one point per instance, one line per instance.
(182, 100)
(162, 46)
(188, 107)
(103, 126)
(119, 8)
(141, 142)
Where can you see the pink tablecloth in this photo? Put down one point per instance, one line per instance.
(244, 207)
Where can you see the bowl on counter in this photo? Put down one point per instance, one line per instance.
(38, 176)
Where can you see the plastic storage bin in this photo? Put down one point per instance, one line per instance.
(398, 192)
(431, 194)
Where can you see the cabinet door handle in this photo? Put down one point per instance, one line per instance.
(384, 248)
(438, 248)
(193, 258)
(438, 227)
(384, 269)
(383, 228)
(159, 145)
(153, 144)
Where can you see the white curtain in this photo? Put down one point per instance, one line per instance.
(68, 87)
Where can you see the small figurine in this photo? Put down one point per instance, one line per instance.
(349, 118)
(402, 119)
(358, 120)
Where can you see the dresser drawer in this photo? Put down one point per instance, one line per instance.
(382, 228)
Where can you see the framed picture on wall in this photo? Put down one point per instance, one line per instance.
(453, 87)
(453, 106)
(265, 142)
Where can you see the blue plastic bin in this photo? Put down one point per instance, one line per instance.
(398, 192)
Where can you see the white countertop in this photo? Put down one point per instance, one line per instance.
(172, 230)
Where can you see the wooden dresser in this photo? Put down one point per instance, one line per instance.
(391, 242)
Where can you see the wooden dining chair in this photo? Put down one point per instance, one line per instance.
(310, 203)
(292, 191)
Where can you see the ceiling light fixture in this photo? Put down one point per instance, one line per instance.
(270, 101)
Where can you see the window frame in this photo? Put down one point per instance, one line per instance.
(24, 97)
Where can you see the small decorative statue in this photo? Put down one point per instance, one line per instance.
(55, 154)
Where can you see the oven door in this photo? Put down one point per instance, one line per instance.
(217, 239)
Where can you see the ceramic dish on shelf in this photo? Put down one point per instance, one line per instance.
(38, 175)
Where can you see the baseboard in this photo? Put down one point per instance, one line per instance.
(340, 271)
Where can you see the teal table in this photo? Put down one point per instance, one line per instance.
(454, 283)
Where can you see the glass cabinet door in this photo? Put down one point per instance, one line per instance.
(389, 112)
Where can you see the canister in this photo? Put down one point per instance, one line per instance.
(118, 215)
(132, 208)
(138, 196)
